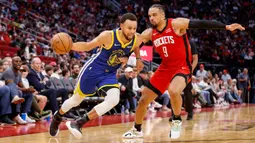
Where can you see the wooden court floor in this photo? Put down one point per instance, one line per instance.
(229, 125)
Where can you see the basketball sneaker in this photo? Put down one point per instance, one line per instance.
(74, 128)
(175, 129)
(54, 125)
(133, 133)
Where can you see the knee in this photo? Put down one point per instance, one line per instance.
(147, 97)
(44, 99)
(76, 99)
(144, 101)
(174, 92)
(52, 93)
(5, 89)
(113, 95)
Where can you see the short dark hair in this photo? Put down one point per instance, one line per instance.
(48, 68)
(55, 69)
(128, 16)
(64, 72)
(158, 6)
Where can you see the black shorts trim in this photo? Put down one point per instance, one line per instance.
(154, 89)
(102, 91)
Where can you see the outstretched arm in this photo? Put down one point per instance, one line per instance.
(139, 62)
(146, 35)
(184, 23)
(103, 38)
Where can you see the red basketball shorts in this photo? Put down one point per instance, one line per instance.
(161, 79)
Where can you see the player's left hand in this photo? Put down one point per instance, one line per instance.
(123, 60)
(139, 65)
(235, 26)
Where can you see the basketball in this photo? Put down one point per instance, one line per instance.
(61, 43)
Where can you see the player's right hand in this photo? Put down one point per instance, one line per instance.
(124, 61)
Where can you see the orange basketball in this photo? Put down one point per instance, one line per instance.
(61, 43)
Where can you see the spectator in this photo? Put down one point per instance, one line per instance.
(39, 101)
(225, 77)
(5, 105)
(66, 74)
(245, 84)
(42, 85)
(201, 72)
(1, 68)
(49, 71)
(232, 92)
(137, 83)
(126, 89)
(56, 73)
(75, 71)
(198, 90)
(12, 78)
(7, 62)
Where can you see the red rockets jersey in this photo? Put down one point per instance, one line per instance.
(174, 50)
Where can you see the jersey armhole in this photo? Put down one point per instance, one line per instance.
(110, 46)
(170, 20)
(134, 44)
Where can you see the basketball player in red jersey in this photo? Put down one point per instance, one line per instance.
(170, 41)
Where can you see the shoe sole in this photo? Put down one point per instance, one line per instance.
(18, 101)
(44, 117)
(55, 134)
(174, 137)
(7, 124)
(132, 137)
(76, 133)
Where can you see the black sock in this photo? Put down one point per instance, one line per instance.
(138, 127)
(82, 120)
(177, 117)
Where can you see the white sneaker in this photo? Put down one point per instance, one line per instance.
(198, 106)
(19, 120)
(74, 129)
(175, 129)
(126, 111)
(225, 103)
(152, 110)
(133, 133)
(29, 120)
(157, 105)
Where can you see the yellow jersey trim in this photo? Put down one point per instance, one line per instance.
(122, 44)
(78, 90)
(134, 43)
(107, 85)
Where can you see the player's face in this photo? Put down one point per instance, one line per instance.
(129, 29)
(156, 16)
